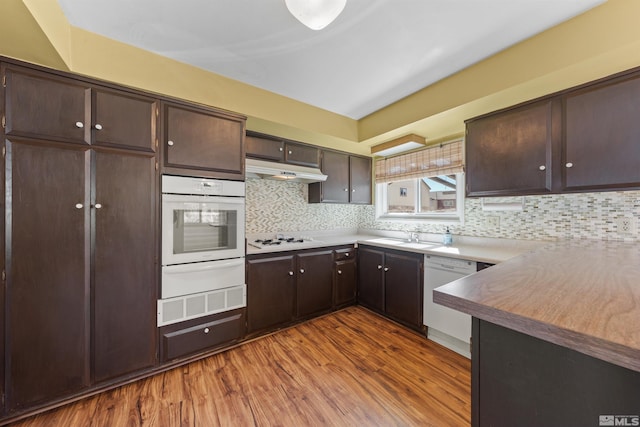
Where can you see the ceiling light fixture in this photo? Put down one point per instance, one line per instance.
(398, 145)
(315, 14)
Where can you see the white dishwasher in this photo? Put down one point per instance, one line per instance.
(446, 326)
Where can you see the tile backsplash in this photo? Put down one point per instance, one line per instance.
(274, 206)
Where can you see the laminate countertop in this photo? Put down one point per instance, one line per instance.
(468, 248)
(583, 295)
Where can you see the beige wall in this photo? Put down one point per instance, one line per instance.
(600, 42)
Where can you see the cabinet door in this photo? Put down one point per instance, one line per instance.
(303, 155)
(509, 153)
(270, 292)
(360, 179)
(403, 287)
(204, 141)
(314, 287)
(125, 284)
(47, 272)
(264, 148)
(370, 285)
(336, 188)
(602, 130)
(124, 120)
(46, 106)
(345, 284)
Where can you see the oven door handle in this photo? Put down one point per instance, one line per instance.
(195, 268)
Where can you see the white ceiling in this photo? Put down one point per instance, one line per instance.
(375, 53)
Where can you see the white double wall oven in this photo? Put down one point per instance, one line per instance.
(203, 248)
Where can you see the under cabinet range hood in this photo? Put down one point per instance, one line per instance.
(282, 171)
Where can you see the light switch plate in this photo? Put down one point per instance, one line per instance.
(492, 221)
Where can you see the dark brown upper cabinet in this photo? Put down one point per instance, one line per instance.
(203, 142)
(602, 136)
(510, 153)
(51, 107)
(303, 155)
(267, 147)
(578, 140)
(348, 179)
(264, 148)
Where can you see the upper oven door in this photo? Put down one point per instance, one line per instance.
(201, 228)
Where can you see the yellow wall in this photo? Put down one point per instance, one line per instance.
(600, 42)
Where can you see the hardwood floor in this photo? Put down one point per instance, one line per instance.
(350, 368)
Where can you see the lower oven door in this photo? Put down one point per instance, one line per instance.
(185, 279)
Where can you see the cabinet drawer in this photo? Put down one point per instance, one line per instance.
(201, 334)
(345, 253)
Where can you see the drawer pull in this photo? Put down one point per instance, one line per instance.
(386, 269)
(291, 273)
(302, 271)
(98, 126)
(346, 254)
(339, 271)
(379, 267)
(206, 330)
(79, 125)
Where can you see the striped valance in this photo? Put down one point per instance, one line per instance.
(442, 159)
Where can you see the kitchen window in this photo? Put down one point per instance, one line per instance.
(425, 185)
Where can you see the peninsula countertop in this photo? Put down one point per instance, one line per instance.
(583, 295)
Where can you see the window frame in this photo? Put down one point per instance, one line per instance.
(457, 218)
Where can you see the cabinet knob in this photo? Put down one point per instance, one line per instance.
(98, 126)
(79, 125)
(353, 191)
(346, 254)
(98, 206)
(79, 205)
(170, 143)
(542, 167)
(346, 189)
(291, 273)
(386, 269)
(206, 330)
(290, 152)
(379, 267)
(281, 149)
(339, 271)
(302, 271)
(569, 165)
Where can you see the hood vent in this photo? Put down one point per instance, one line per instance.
(282, 171)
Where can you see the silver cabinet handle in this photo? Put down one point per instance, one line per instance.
(98, 206)
(339, 271)
(98, 126)
(569, 165)
(379, 267)
(302, 271)
(386, 269)
(346, 189)
(206, 330)
(291, 273)
(542, 167)
(79, 205)
(79, 125)
(170, 143)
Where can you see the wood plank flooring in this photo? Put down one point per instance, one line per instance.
(350, 368)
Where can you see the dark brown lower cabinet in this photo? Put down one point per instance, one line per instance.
(205, 333)
(314, 282)
(124, 287)
(270, 291)
(81, 273)
(520, 380)
(391, 283)
(345, 277)
(47, 266)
